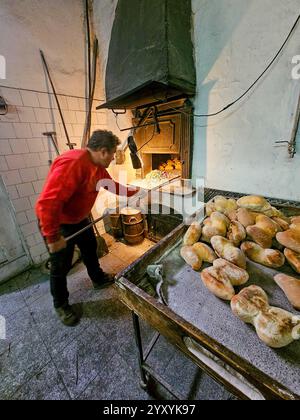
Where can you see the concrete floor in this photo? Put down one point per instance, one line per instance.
(43, 360)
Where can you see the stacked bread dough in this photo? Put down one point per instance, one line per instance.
(249, 227)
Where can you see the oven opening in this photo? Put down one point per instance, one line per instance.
(166, 162)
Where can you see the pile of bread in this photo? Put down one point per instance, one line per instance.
(249, 227)
(171, 165)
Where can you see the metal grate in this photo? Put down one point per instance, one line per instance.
(210, 193)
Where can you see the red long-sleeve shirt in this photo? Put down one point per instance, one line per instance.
(71, 190)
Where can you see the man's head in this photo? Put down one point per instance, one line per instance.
(103, 146)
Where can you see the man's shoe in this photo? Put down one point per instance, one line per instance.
(67, 316)
(105, 281)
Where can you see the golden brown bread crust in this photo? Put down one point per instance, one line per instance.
(273, 212)
(216, 225)
(269, 257)
(274, 326)
(210, 208)
(295, 219)
(259, 236)
(269, 226)
(290, 287)
(221, 288)
(232, 216)
(190, 257)
(224, 205)
(290, 239)
(281, 222)
(249, 303)
(226, 270)
(204, 252)
(236, 233)
(226, 250)
(221, 204)
(293, 258)
(245, 217)
(193, 234)
(254, 203)
(295, 225)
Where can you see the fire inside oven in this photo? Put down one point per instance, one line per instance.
(168, 163)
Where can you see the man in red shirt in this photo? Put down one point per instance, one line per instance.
(63, 209)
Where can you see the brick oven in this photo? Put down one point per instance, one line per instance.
(150, 72)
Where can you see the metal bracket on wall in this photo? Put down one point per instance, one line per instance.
(52, 136)
(291, 147)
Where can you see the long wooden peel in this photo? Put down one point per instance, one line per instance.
(130, 200)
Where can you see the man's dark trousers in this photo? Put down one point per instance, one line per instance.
(61, 262)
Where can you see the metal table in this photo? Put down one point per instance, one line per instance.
(204, 328)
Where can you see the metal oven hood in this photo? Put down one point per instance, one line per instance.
(150, 54)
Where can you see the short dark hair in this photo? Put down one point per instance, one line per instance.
(103, 139)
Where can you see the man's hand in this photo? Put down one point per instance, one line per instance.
(57, 246)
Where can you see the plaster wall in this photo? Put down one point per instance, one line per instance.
(234, 42)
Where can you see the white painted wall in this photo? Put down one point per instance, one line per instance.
(234, 42)
(56, 27)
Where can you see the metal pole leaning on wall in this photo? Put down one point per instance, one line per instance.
(69, 144)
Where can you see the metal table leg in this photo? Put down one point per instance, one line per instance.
(146, 372)
(138, 340)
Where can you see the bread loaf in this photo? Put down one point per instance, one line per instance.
(290, 239)
(190, 257)
(226, 250)
(245, 217)
(269, 226)
(290, 287)
(222, 288)
(274, 326)
(217, 225)
(282, 223)
(293, 258)
(247, 304)
(273, 212)
(226, 270)
(236, 233)
(204, 252)
(295, 225)
(193, 234)
(259, 236)
(232, 216)
(210, 208)
(254, 203)
(224, 205)
(267, 257)
(295, 219)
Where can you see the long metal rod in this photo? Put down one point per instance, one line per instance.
(88, 32)
(71, 146)
(139, 344)
(102, 217)
(151, 345)
(87, 129)
(292, 143)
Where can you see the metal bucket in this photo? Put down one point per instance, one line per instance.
(116, 225)
(133, 225)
